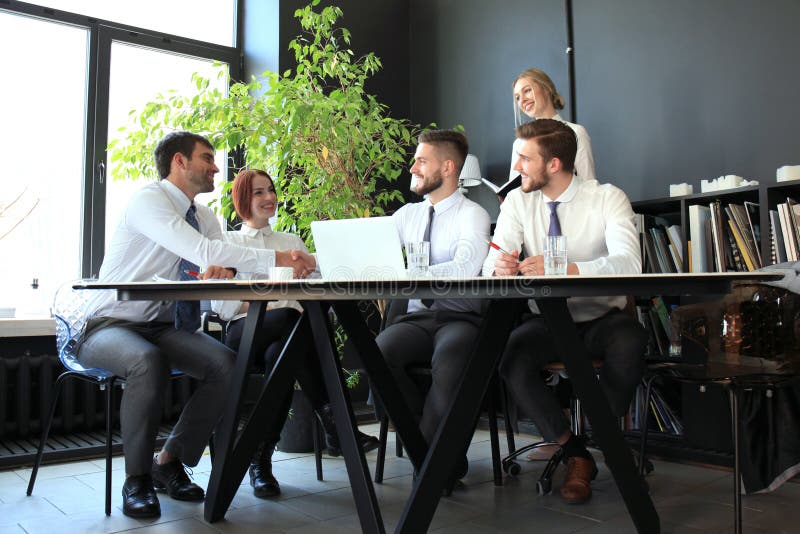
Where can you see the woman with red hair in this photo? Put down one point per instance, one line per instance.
(256, 201)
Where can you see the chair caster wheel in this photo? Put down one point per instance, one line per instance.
(543, 487)
(512, 468)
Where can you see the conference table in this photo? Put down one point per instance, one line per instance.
(507, 299)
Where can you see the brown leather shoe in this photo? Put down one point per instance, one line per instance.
(577, 487)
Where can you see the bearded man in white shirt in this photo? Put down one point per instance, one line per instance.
(601, 239)
(163, 233)
(441, 332)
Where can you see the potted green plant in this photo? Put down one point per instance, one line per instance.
(332, 148)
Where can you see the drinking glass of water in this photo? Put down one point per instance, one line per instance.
(555, 255)
(418, 256)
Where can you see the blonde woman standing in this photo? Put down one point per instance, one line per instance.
(535, 95)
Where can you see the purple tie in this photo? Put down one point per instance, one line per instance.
(555, 226)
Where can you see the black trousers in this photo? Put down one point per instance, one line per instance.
(443, 340)
(616, 338)
(277, 324)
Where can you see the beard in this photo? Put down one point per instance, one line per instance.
(427, 184)
(534, 183)
(201, 182)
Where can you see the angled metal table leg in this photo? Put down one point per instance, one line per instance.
(234, 448)
(385, 391)
(605, 427)
(360, 481)
(455, 430)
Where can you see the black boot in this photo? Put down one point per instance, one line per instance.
(325, 415)
(264, 484)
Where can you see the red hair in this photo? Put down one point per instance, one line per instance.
(242, 191)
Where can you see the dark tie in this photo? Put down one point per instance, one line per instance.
(555, 226)
(427, 237)
(187, 312)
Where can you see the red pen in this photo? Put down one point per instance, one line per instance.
(498, 247)
(191, 273)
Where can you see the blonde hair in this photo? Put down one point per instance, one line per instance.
(540, 77)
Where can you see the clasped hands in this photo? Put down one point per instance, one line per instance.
(302, 263)
(509, 265)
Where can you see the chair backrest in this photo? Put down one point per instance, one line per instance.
(70, 308)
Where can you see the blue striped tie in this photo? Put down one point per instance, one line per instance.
(187, 312)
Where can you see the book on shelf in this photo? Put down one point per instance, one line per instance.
(752, 212)
(503, 189)
(699, 221)
(778, 244)
(738, 214)
(787, 228)
(717, 237)
(748, 260)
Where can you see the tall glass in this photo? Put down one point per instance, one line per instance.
(555, 255)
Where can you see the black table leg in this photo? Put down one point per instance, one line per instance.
(385, 390)
(605, 427)
(455, 430)
(360, 481)
(234, 449)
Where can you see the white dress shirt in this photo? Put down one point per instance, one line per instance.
(458, 242)
(151, 237)
(259, 238)
(584, 161)
(601, 238)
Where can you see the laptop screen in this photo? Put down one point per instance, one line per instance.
(359, 249)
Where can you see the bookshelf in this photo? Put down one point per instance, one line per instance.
(697, 439)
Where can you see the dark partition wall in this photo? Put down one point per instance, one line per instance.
(669, 91)
(464, 56)
(683, 90)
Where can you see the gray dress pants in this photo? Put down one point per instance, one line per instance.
(443, 340)
(144, 355)
(616, 338)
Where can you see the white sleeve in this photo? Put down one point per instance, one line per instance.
(469, 249)
(584, 160)
(622, 239)
(153, 216)
(508, 233)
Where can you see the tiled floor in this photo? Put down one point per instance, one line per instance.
(69, 498)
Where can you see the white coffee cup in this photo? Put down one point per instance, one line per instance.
(279, 274)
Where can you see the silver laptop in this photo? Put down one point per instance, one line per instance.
(359, 249)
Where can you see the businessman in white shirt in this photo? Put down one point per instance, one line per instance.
(441, 332)
(601, 239)
(163, 233)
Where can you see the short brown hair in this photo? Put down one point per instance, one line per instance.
(555, 139)
(171, 144)
(453, 143)
(242, 191)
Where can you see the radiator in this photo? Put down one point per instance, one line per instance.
(26, 387)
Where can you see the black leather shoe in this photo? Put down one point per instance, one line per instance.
(264, 483)
(172, 478)
(139, 498)
(325, 414)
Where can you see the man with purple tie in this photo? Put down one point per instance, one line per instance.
(597, 221)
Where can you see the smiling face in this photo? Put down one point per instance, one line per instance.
(531, 166)
(427, 168)
(263, 203)
(199, 169)
(533, 99)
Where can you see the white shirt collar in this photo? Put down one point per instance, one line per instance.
(447, 203)
(178, 197)
(568, 194)
(253, 232)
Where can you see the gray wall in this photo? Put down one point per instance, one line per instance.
(669, 91)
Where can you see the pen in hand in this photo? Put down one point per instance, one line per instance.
(498, 247)
(191, 273)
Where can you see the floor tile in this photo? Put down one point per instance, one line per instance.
(264, 517)
(181, 526)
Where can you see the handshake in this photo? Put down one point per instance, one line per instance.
(302, 263)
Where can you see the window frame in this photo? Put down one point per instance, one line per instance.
(101, 35)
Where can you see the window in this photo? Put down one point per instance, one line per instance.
(42, 135)
(69, 81)
(204, 20)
